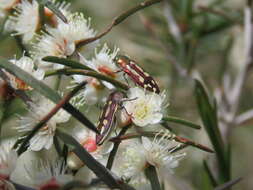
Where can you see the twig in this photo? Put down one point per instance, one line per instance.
(240, 80)
(234, 94)
(244, 117)
(153, 134)
(118, 20)
(172, 24)
(176, 33)
(229, 184)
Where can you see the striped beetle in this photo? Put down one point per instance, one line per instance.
(136, 73)
(107, 119)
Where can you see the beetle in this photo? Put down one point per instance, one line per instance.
(107, 119)
(136, 73)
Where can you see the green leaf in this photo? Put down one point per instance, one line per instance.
(104, 174)
(151, 174)
(209, 173)
(66, 62)
(208, 114)
(53, 8)
(88, 73)
(45, 91)
(57, 146)
(181, 121)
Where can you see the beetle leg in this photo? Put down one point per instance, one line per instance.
(128, 99)
(124, 75)
(128, 114)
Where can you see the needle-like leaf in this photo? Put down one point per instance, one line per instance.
(67, 62)
(151, 174)
(208, 115)
(181, 121)
(88, 73)
(53, 8)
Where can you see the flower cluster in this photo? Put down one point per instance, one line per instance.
(158, 153)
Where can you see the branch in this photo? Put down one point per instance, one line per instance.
(228, 185)
(118, 20)
(244, 117)
(236, 91)
(176, 34)
(153, 134)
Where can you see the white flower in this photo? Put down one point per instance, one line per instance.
(44, 137)
(136, 156)
(27, 64)
(103, 63)
(93, 91)
(131, 161)
(78, 28)
(6, 5)
(159, 152)
(144, 107)
(49, 175)
(25, 20)
(8, 159)
(88, 140)
(61, 41)
(51, 43)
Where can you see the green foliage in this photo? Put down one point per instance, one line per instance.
(208, 115)
(181, 121)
